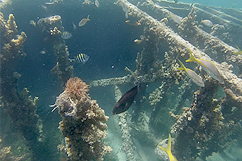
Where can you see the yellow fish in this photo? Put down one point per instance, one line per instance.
(239, 52)
(83, 21)
(193, 75)
(208, 66)
(168, 150)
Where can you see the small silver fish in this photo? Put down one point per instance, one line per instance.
(87, 2)
(207, 23)
(83, 21)
(208, 66)
(96, 3)
(193, 75)
(32, 22)
(66, 35)
(83, 58)
(74, 26)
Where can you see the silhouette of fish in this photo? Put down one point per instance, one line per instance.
(126, 100)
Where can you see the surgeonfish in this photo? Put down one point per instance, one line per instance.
(126, 100)
(83, 58)
(239, 51)
(208, 66)
(207, 23)
(193, 75)
(83, 21)
(168, 150)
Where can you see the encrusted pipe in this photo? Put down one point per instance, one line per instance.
(83, 123)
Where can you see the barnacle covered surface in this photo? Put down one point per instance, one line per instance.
(83, 122)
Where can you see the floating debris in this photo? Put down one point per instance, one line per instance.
(83, 58)
(193, 75)
(66, 35)
(83, 21)
(126, 100)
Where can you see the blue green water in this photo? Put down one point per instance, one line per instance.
(109, 42)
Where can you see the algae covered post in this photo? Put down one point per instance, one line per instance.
(53, 33)
(83, 122)
(19, 106)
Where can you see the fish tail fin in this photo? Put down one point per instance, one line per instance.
(182, 66)
(192, 58)
(238, 48)
(88, 18)
(168, 148)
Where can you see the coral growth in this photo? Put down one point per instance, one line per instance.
(51, 30)
(20, 107)
(83, 122)
(205, 123)
(76, 87)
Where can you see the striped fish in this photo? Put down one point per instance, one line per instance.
(82, 58)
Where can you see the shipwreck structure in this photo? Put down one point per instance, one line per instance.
(174, 28)
(202, 121)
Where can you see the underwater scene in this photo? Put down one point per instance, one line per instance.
(121, 80)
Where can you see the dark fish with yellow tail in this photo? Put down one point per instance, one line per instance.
(126, 100)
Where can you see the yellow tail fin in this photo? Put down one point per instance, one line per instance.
(88, 19)
(192, 58)
(238, 48)
(168, 150)
(182, 66)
